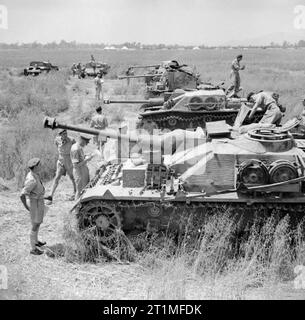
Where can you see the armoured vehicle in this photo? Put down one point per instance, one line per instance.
(91, 69)
(38, 67)
(170, 181)
(166, 77)
(189, 109)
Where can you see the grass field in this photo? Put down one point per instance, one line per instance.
(211, 270)
(280, 70)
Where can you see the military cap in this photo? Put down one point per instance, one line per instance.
(99, 108)
(239, 56)
(60, 131)
(85, 136)
(33, 162)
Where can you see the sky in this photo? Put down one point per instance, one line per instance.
(188, 22)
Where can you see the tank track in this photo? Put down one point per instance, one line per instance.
(181, 217)
(181, 121)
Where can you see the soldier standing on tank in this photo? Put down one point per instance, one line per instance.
(235, 77)
(99, 122)
(79, 162)
(32, 198)
(64, 164)
(268, 101)
(98, 86)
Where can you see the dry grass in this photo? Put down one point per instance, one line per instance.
(226, 266)
(214, 266)
(23, 103)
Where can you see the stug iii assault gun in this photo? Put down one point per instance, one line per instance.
(166, 77)
(260, 173)
(188, 109)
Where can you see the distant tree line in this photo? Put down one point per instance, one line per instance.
(134, 45)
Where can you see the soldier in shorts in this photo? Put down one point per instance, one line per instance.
(268, 101)
(32, 199)
(64, 164)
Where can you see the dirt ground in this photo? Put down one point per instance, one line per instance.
(44, 277)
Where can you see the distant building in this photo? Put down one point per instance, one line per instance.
(196, 48)
(110, 48)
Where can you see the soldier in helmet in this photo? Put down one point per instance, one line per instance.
(235, 77)
(64, 164)
(32, 199)
(79, 163)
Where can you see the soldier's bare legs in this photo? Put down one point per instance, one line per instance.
(74, 186)
(55, 185)
(34, 239)
(98, 93)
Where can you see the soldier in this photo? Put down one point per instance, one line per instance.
(235, 77)
(64, 164)
(99, 122)
(268, 101)
(32, 199)
(74, 69)
(98, 85)
(129, 72)
(93, 63)
(79, 162)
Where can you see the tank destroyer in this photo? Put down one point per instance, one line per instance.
(175, 180)
(189, 109)
(166, 77)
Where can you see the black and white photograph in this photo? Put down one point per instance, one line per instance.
(152, 151)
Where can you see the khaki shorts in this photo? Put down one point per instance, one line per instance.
(273, 115)
(63, 167)
(37, 209)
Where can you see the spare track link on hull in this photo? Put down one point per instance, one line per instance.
(178, 216)
(192, 121)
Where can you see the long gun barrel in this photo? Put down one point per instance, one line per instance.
(141, 76)
(146, 142)
(152, 102)
(147, 66)
(52, 123)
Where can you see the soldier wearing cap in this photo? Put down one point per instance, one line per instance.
(235, 77)
(79, 163)
(64, 164)
(98, 85)
(99, 122)
(32, 198)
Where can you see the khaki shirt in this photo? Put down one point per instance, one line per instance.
(63, 147)
(235, 66)
(263, 99)
(33, 187)
(99, 121)
(98, 82)
(77, 154)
